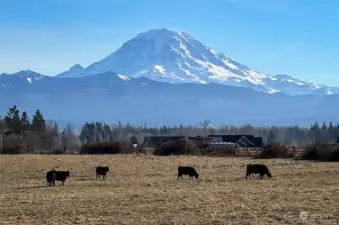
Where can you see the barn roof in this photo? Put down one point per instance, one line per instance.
(257, 141)
(231, 138)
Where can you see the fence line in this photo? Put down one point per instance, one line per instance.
(252, 152)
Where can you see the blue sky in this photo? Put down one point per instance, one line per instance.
(295, 37)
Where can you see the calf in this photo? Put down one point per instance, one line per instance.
(50, 178)
(186, 170)
(257, 168)
(102, 171)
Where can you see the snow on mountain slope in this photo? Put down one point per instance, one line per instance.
(176, 57)
(27, 75)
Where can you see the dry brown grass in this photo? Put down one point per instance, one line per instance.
(145, 190)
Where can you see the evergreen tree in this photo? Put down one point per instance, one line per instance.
(271, 137)
(24, 122)
(38, 122)
(332, 135)
(134, 140)
(13, 121)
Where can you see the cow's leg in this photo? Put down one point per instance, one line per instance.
(261, 175)
(62, 182)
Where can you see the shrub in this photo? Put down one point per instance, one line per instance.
(227, 151)
(104, 147)
(18, 149)
(333, 156)
(322, 152)
(274, 150)
(57, 152)
(128, 149)
(178, 147)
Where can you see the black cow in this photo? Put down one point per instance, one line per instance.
(50, 178)
(102, 171)
(62, 176)
(54, 175)
(257, 168)
(186, 170)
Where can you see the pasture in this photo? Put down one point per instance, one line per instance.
(145, 190)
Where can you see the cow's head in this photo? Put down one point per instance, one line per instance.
(68, 173)
(107, 169)
(196, 175)
(269, 175)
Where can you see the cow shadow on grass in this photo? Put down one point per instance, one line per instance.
(34, 187)
(89, 179)
(253, 178)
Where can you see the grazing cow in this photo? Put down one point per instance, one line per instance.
(102, 171)
(257, 168)
(50, 177)
(61, 176)
(186, 170)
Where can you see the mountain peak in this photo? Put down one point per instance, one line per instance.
(165, 34)
(76, 66)
(24, 73)
(176, 57)
(74, 71)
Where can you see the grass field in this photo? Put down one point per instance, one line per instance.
(145, 190)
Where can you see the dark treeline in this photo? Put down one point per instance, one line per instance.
(289, 135)
(24, 134)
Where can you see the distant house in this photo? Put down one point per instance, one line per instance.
(239, 141)
(214, 141)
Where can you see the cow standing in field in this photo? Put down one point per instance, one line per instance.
(186, 170)
(102, 171)
(62, 176)
(50, 178)
(54, 175)
(257, 168)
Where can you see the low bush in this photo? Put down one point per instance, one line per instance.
(321, 152)
(333, 156)
(104, 147)
(13, 150)
(226, 151)
(57, 152)
(178, 147)
(274, 150)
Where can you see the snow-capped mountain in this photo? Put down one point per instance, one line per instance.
(176, 57)
(25, 76)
